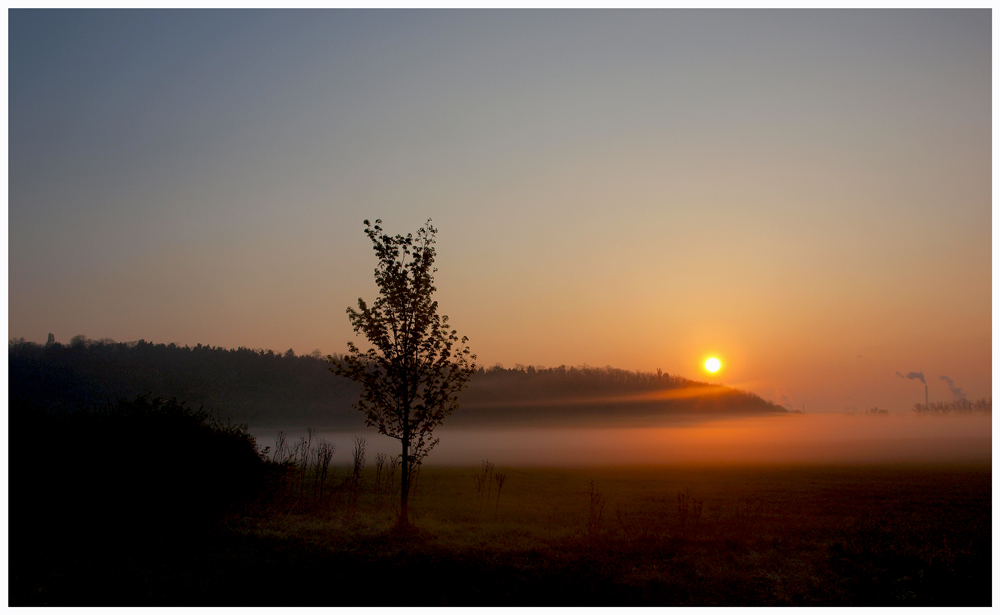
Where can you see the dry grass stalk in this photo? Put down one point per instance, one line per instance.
(487, 469)
(380, 461)
(324, 455)
(500, 478)
(281, 452)
(482, 480)
(393, 466)
(302, 454)
(358, 456)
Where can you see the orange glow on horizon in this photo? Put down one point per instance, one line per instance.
(810, 438)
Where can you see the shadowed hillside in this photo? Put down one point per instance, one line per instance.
(594, 395)
(282, 390)
(252, 386)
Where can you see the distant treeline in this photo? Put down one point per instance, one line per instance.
(258, 387)
(268, 389)
(550, 395)
(959, 406)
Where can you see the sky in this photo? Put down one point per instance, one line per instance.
(804, 194)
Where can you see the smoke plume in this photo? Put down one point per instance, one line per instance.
(956, 391)
(913, 376)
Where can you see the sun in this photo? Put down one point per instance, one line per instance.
(713, 365)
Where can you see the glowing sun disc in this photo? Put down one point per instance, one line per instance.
(713, 365)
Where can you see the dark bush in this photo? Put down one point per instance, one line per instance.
(131, 466)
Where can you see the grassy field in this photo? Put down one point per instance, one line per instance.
(696, 535)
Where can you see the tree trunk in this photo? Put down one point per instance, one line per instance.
(404, 508)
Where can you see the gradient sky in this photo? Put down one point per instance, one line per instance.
(806, 194)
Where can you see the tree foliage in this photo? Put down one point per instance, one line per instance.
(415, 365)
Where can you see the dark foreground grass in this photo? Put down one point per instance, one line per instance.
(699, 535)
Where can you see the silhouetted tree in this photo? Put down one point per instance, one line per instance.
(416, 365)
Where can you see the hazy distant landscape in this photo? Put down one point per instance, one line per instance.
(521, 415)
(272, 390)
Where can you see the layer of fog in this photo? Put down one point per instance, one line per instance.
(763, 439)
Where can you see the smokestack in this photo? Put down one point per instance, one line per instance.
(913, 376)
(919, 376)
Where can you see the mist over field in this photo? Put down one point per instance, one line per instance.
(793, 438)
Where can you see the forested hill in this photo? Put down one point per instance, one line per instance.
(281, 390)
